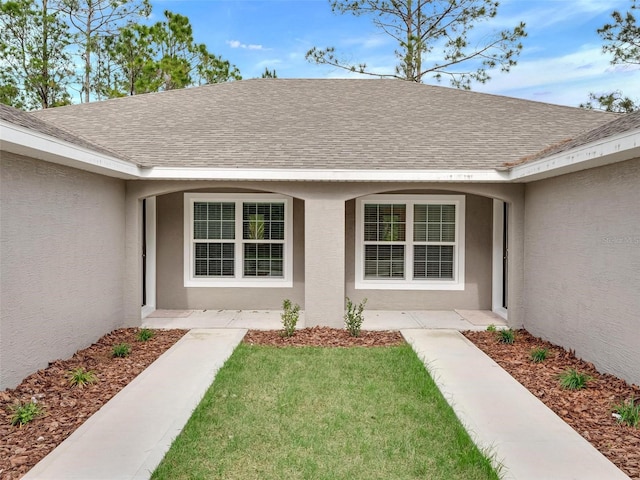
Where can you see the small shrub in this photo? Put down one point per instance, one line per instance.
(144, 334)
(353, 318)
(506, 336)
(628, 412)
(491, 328)
(289, 317)
(79, 377)
(23, 413)
(571, 379)
(121, 350)
(538, 354)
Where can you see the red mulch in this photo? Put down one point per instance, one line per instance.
(66, 408)
(588, 411)
(324, 337)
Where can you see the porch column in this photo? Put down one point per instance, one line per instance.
(324, 262)
(516, 263)
(133, 258)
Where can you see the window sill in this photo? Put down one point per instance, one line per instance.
(238, 283)
(404, 285)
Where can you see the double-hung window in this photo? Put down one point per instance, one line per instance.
(410, 242)
(238, 240)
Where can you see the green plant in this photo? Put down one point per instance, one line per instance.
(628, 412)
(506, 336)
(353, 318)
(256, 227)
(121, 350)
(538, 354)
(289, 317)
(23, 413)
(571, 379)
(144, 334)
(79, 377)
(491, 328)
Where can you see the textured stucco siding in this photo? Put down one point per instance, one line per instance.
(478, 249)
(582, 265)
(62, 256)
(171, 292)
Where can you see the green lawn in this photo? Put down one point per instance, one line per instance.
(323, 413)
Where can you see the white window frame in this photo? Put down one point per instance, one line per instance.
(408, 282)
(190, 280)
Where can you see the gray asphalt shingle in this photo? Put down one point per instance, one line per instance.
(24, 119)
(324, 124)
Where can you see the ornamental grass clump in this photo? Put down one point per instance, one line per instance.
(506, 336)
(538, 354)
(290, 315)
(353, 318)
(628, 412)
(144, 334)
(121, 350)
(79, 377)
(23, 413)
(571, 379)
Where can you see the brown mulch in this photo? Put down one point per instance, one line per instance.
(587, 411)
(65, 408)
(324, 337)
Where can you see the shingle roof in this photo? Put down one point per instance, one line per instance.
(623, 123)
(24, 119)
(324, 124)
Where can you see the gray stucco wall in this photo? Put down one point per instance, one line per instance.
(478, 246)
(171, 293)
(582, 265)
(62, 254)
(321, 295)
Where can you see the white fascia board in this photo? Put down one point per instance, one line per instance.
(30, 143)
(617, 148)
(333, 175)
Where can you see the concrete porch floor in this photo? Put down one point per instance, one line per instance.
(373, 319)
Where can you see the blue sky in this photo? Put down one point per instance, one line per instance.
(562, 59)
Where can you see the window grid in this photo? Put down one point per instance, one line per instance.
(385, 227)
(214, 221)
(421, 249)
(238, 239)
(263, 260)
(434, 237)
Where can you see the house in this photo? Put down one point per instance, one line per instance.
(238, 195)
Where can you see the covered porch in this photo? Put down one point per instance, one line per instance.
(324, 261)
(373, 319)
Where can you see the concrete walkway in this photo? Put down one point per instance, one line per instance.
(503, 417)
(374, 319)
(128, 437)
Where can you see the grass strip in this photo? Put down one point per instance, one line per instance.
(323, 413)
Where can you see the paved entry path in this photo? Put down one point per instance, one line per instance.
(128, 437)
(503, 417)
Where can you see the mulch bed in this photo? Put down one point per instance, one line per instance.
(324, 337)
(587, 411)
(65, 408)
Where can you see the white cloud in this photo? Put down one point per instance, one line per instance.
(566, 79)
(239, 44)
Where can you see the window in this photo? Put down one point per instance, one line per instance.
(238, 240)
(410, 242)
